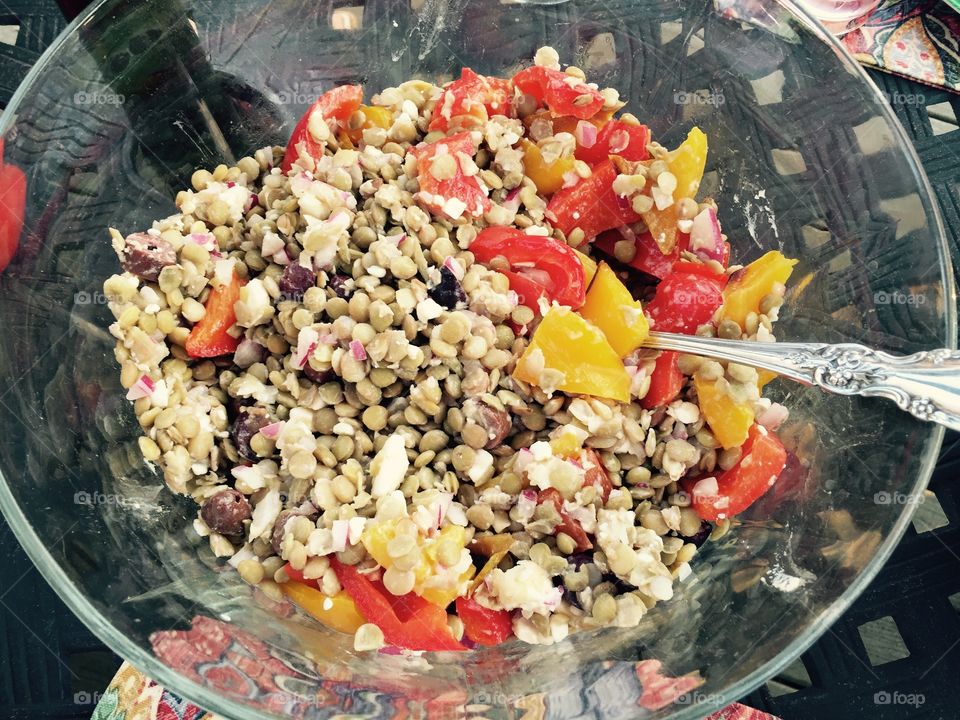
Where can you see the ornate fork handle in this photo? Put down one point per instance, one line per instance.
(925, 384)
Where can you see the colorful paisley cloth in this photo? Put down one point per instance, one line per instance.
(918, 39)
(231, 662)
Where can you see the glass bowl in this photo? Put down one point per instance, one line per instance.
(804, 156)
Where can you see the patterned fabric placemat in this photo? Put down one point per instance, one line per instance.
(918, 39)
(133, 696)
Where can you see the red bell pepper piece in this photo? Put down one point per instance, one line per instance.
(337, 104)
(665, 381)
(648, 258)
(567, 524)
(553, 265)
(596, 475)
(558, 92)
(297, 576)
(764, 458)
(686, 299)
(425, 627)
(472, 95)
(434, 194)
(617, 138)
(482, 625)
(209, 337)
(591, 204)
(13, 198)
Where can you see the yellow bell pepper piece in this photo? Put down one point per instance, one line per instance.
(611, 307)
(589, 267)
(377, 537)
(566, 444)
(569, 354)
(337, 613)
(377, 116)
(729, 420)
(764, 377)
(548, 177)
(743, 294)
(686, 164)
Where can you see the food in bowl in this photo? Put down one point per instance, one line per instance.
(399, 363)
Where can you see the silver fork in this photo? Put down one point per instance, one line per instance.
(925, 384)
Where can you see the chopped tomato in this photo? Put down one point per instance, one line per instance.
(617, 138)
(685, 299)
(596, 474)
(338, 105)
(548, 262)
(591, 204)
(209, 337)
(666, 381)
(567, 524)
(449, 196)
(474, 98)
(764, 458)
(648, 257)
(483, 625)
(561, 93)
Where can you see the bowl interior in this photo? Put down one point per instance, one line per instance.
(804, 157)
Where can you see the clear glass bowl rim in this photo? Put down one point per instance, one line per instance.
(211, 701)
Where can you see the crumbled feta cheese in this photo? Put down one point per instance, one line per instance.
(389, 466)
(254, 306)
(264, 514)
(482, 467)
(526, 587)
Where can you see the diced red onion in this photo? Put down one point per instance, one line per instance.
(240, 471)
(231, 183)
(619, 139)
(249, 352)
(358, 351)
(142, 388)
(328, 339)
(390, 650)
(586, 134)
(207, 240)
(251, 203)
(773, 416)
(281, 258)
(272, 430)
(443, 505)
(454, 266)
(524, 456)
(706, 241)
(307, 341)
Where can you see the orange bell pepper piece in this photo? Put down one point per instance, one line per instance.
(589, 267)
(376, 116)
(744, 293)
(611, 307)
(729, 420)
(209, 337)
(548, 177)
(579, 355)
(337, 613)
(686, 164)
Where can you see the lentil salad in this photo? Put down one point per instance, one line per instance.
(399, 363)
